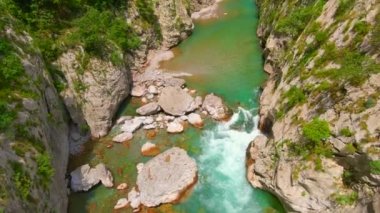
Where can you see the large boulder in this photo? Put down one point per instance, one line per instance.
(165, 177)
(148, 109)
(215, 107)
(94, 94)
(175, 101)
(84, 177)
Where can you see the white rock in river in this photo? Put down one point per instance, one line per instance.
(139, 167)
(148, 120)
(149, 149)
(152, 90)
(134, 198)
(175, 101)
(138, 91)
(131, 125)
(125, 136)
(148, 109)
(174, 127)
(195, 119)
(122, 186)
(165, 177)
(121, 203)
(84, 177)
(215, 107)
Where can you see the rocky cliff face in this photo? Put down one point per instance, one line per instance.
(320, 108)
(96, 87)
(47, 107)
(34, 148)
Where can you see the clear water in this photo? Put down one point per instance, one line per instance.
(225, 58)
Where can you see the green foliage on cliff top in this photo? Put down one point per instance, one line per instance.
(98, 36)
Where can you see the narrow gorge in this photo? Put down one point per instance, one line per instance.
(190, 106)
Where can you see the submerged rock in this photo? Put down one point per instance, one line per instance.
(148, 109)
(215, 107)
(165, 177)
(121, 203)
(122, 186)
(175, 101)
(149, 149)
(132, 125)
(125, 136)
(84, 177)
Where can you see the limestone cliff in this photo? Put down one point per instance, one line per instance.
(320, 108)
(95, 87)
(35, 143)
(63, 76)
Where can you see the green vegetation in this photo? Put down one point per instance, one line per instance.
(21, 180)
(346, 199)
(316, 131)
(294, 23)
(294, 96)
(98, 36)
(145, 9)
(346, 132)
(375, 37)
(45, 170)
(344, 6)
(350, 148)
(355, 67)
(375, 167)
(6, 115)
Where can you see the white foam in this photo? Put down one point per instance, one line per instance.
(223, 163)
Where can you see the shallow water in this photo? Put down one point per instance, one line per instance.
(225, 58)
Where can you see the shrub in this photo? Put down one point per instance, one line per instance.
(97, 36)
(21, 180)
(10, 64)
(350, 148)
(344, 6)
(346, 132)
(295, 96)
(346, 199)
(45, 169)
(361, 27)
(375, 167)
(295, 22)
(316, 131)
(6, 115)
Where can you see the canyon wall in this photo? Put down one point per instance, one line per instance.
(54, 96)
(320, 108)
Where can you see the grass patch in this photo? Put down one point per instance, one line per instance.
(375, 167)
(346, 132)
(21, 180)
(45, 170)
(346, 199)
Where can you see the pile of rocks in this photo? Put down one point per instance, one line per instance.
(168, 104)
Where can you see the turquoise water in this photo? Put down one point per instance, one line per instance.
(224, 57)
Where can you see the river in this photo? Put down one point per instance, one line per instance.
(224, 57)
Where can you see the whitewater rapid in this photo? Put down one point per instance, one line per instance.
(222, 164)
